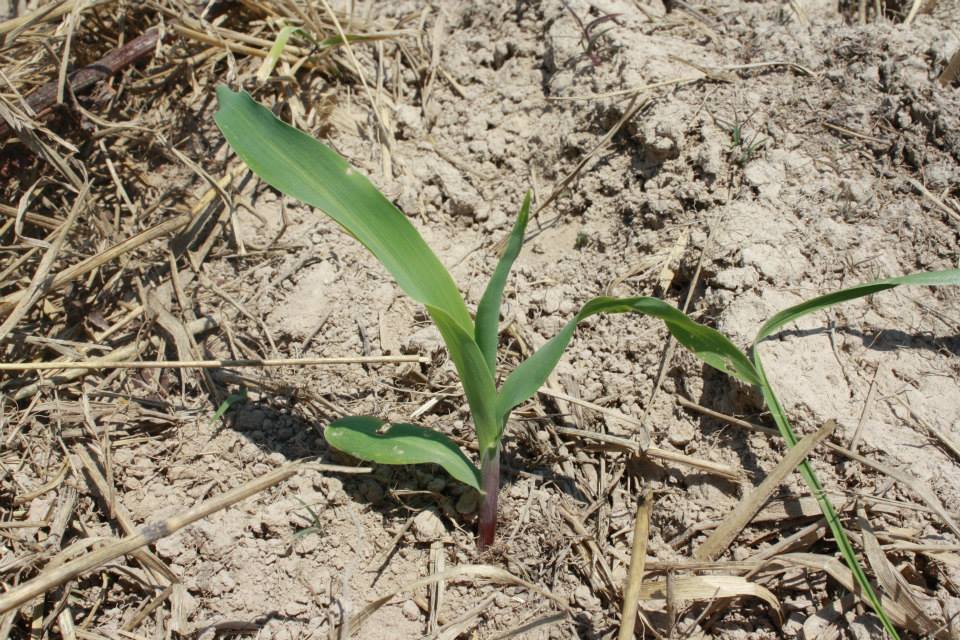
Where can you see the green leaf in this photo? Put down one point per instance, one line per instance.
(829, 512)
(299, 166)
(400, 443)
(774, 324)
(304, 168)
(475, 376)
(707, 344)
(266, 68)
(771, 326)
(225, 406)
(488, 311)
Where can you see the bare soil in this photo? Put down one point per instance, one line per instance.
(782, 150)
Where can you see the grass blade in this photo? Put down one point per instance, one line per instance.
(299, 166)
(227, 404)
(400, 443)
(947, 277)
(929, 278)
(488, 311)
(833, 520)
(707, 344)
(266, 68)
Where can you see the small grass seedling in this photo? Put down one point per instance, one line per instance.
(743, 147)
(590, 40)
(302, 167)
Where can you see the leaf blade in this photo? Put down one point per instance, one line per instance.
(823, 500)
(488, 311)
(708, 344)
(400, 443)
(300, 166)
(475, 377)
(925, 278)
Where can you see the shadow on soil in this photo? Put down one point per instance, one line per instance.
(277, 425)
(883, 340)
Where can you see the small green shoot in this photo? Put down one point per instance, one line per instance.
(582, 241)
(743, 147)
(227, 404)
(299, 166)
(315, 525)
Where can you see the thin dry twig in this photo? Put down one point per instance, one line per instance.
(41, 283)
(747, 508)
(904, 478)
(206, 364)
(624, 444)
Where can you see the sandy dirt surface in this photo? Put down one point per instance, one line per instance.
(773, 152)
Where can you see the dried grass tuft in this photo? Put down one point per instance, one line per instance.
(115, 191)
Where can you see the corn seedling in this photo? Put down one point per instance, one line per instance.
(304, 168)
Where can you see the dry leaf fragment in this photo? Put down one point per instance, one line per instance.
(710, 588)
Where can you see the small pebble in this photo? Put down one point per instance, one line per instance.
(583, 597)
(427, 526)
(680, 434)
(410, 610)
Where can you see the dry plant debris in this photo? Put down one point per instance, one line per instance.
(129, 235)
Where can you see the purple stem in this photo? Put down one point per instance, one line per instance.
(490, 479)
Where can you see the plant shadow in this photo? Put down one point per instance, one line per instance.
(882, 339)
(276, 425)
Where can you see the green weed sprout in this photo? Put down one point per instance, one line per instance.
(304, 168)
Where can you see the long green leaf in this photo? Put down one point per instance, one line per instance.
(774, 324)
(400, 443)
(707, 344)
(829, 512)
(475, 377)
(299, 166)
(488, 311)
(928, 278)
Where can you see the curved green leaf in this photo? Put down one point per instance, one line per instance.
(707, 344)
(774, 324)
(474, 375)
(771, 326)
(488, 311)
(294, 163)
(400, 443)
